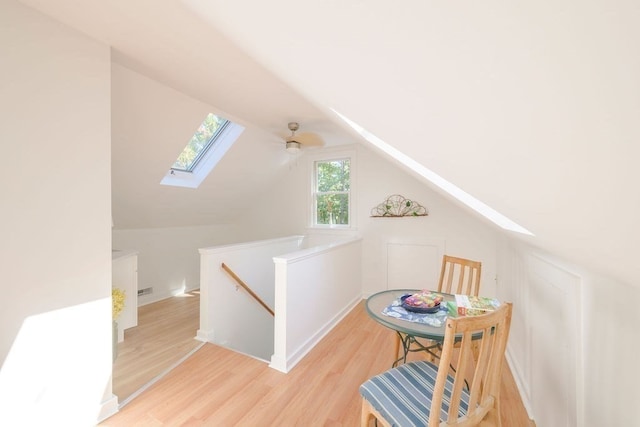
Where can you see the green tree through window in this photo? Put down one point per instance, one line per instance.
(332, 192)
(200, 142)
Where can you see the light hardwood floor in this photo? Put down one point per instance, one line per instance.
(164, 335)
(218, 387)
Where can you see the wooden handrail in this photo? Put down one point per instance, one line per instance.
(247, 288)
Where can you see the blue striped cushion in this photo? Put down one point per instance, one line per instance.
(403, 395)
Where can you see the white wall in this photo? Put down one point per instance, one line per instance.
(447, 227)
(389, 244)
(168, 258)
(55, 321)
(610, 375)
(572, 347)
(151, 124)
(280, 210)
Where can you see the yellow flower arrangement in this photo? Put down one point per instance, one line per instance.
(117, 300)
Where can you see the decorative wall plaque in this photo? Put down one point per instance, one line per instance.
(396, 206)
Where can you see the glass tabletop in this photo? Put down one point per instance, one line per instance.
(376, 303)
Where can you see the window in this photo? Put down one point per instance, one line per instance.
(200, 142)
(332, 192)
(204, 150)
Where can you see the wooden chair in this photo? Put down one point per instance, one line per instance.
(465, 272)
(423, 394)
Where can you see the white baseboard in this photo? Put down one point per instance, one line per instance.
(205, 336)
(159, 376)
(108, 408)
(162, 296)
(519, 380)
(278, 363)
(288, 363)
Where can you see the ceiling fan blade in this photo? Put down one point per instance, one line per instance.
(309, 139)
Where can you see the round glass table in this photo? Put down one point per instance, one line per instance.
(408, 331)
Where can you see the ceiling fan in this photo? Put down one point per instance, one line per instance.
(294, 142)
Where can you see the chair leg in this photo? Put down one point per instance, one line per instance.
(366, 414)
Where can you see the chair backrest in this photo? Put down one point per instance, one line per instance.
(460, 276)
(479, 375)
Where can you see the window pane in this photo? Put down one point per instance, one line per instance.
(201, 140)
(333, 175)
(333, 209)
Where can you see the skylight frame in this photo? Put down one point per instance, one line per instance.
(205, 148)
(209, 158)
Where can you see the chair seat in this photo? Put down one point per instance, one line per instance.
(403, 395)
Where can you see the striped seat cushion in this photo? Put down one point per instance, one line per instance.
(403, 395)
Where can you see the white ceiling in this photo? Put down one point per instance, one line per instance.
(532, 108)
(168, 43)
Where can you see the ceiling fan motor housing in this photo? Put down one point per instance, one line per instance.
(292, 144)
(293, 126)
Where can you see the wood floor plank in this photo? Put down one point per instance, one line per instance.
(218, 387)
(164, 335)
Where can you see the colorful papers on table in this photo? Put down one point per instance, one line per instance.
(473, 306)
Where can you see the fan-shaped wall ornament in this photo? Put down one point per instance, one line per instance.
(396, 206)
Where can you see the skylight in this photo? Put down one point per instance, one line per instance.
(200, 142)
(464, 197)
(204, 150)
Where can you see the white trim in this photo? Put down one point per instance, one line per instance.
(574, 342)
(303, 254)
(205, 335)
(287, 364)
(108, 408)
(246, 245)
(521, 384)
(160, 376)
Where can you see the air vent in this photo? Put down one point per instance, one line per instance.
(145, 291)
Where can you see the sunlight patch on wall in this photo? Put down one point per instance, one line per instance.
(464, 197)
(59, 367)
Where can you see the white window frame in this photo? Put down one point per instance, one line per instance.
(193, 179)
(326, 156)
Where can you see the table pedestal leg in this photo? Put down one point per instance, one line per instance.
(410, 344)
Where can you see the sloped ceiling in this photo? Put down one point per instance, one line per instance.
(167, 43)
(532, 108)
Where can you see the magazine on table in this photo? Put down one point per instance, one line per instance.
(469, 305)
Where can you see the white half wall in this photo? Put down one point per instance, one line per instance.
(229, 316)
(55, 321)
(314, 289)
